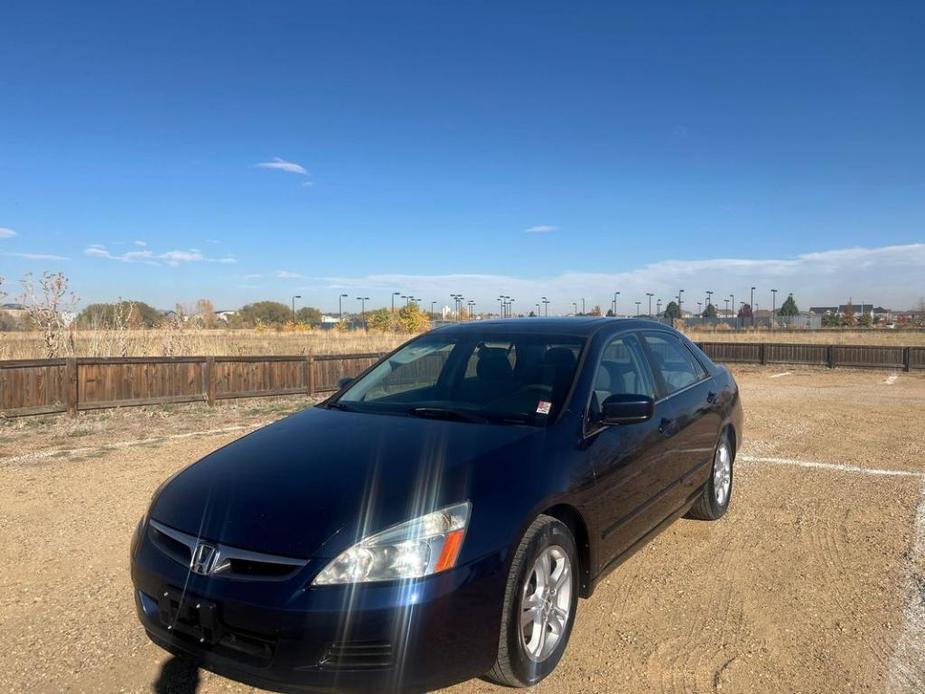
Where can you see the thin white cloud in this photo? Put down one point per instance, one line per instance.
(541, 229)
(308, 184)
(282, 165)
(35, 256)
(287, 275)
(889, 275)
(255, 276)
(6, 233)
(141, 244)
(147, 257)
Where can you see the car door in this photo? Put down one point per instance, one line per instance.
(691, 415)
(627, 459)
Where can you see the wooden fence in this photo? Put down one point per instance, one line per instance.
(52, 386)
(878, 357)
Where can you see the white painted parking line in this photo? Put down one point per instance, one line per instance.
(907, 666)
(839, 467)
(891, 379)
(783, 373)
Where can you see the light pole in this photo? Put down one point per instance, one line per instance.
(340, 306)
(537, 310)
(658, 308)
(752, 305)
(394, 294)
(432, 304)
(726, 312)
(709, 299)
(773, 306)
(650, 295)
(615, 295)
(583, 306)
(680, 312)
(510, 307)
(363, 300)
(545, 307)
(637, 308)
(575, 305)
(700, 309)
(297, 296)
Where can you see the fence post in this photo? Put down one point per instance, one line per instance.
(71, 390)
(310, 380)
(907, 358)
(762, 357)
(209, 378)
(830, 356)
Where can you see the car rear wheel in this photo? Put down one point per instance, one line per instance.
(714, 501)
(539, 604)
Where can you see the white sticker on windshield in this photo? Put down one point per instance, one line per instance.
(543, 407)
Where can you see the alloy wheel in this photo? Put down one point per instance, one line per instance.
(546, 603)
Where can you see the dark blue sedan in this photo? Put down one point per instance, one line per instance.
(439, 517)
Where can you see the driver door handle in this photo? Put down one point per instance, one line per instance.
(711, 397)
(666, 427)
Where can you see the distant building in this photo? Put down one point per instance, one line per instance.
(856, 309)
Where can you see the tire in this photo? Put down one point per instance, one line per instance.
(528, 653)
(714, 500)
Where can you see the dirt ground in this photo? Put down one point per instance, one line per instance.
(813, 582)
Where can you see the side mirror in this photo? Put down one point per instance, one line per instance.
(621, 408)
(344, 382)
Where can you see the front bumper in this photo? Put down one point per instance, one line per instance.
(285, 635)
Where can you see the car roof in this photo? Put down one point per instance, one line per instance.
(578, 326)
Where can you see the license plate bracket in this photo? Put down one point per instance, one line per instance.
(189, 615)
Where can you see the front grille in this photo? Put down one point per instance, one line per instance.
(230, 562)
(357, 655)
(170, 546)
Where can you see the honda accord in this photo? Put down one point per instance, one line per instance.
(439, 516)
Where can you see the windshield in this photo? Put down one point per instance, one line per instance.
(511, 379)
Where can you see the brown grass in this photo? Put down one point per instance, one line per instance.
(835, 336)
(168, 342)
(199, 342)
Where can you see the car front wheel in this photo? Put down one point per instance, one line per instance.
(539, 605)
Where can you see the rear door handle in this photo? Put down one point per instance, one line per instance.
(711, 397)
(666, 426)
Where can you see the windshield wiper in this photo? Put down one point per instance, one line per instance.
(339, 406)
(446, 413)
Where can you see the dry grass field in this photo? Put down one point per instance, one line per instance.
(828, 336)
(811, 583)
(163, 342)
(199, 342)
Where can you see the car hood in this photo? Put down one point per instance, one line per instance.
(319, 480)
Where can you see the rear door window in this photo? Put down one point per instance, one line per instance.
(673, 361)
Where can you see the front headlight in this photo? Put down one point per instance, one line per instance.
(420, 547)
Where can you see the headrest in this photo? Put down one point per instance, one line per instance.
(560, 357)
(493, 364)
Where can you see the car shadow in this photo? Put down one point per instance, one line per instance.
(177, 676)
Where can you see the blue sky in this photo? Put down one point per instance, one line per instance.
(650, 146)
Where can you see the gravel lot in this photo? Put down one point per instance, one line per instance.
(813, 582)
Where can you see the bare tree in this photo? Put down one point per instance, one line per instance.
(47, 310)
(206, 313)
